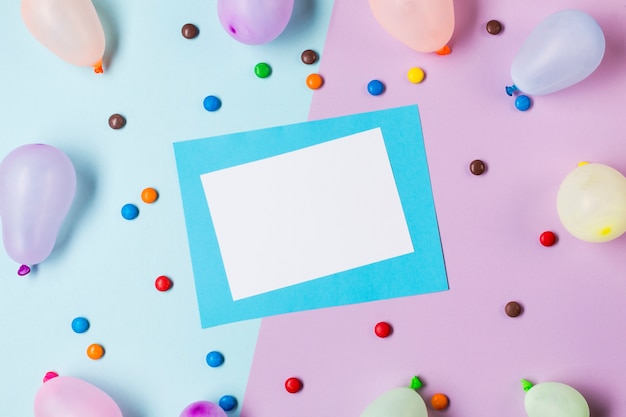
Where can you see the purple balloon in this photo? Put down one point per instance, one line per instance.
(37, 187)
(254, 22)
(203, 409)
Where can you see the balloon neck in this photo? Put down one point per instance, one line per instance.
(416, 383)
(23, 270)
(97, 67)
(526, 385)
(444, 51)
(510, 89)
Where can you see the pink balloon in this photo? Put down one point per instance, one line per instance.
(71, 29)
(37, 187)
(66, 396)
(422, 25)
(254, 22)
(203, 409)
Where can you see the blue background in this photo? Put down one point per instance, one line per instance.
(103, 266)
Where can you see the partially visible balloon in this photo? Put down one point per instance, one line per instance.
(254, 22)
(422, 25)
(71, 29)
(37, 187)
(203, 409)
(554, 399)
(398, 402)
(66, 396)
(562, 50)
(591, 203)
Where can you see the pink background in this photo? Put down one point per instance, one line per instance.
(460, 342)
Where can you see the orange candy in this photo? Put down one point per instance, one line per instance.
(149, 195)
(439, 401)
(314, 81)
(95, 351)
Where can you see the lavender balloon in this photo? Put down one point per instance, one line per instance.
(37, 187)
(203, 409)
(254, 22)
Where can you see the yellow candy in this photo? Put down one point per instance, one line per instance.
(416, 75)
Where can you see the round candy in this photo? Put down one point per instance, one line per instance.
(547, 238)
(382, 329)
(293, 385)
(493, 27)
(212, 103)
(149, 195)
(522, 102)
(309, 57)
(117, 121)
(314, 81)
(163, 283)
(416, 75)
(262, 70)
(214, 359)
(439, 401)
(80, 325)
(95, 351)
(190, 31)
(228, 402)
(203, 409)
(477, 167)
(375, 87)
(130, 211)
(513, 309)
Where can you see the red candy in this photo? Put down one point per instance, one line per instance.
(547, 238)
(293, 385)
(382, 329)
(163, 283)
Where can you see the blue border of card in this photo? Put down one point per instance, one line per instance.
(420, 272)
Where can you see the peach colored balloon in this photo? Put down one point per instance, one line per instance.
(71, 29)
(422, 25)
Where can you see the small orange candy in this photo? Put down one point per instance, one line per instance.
(439, 401)
(149, 195)
(95, 351)
(314, 81)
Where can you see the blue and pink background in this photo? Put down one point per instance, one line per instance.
(459, 342)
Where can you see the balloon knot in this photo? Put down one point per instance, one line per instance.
(444, 51)
(97, 67)
(526, 385)
(23, 270)
(510, 90)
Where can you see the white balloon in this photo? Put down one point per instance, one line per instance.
(397, 402)
(591, 203)
(565, 48)
(554, 399)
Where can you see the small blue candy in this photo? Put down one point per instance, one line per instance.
(375, 87)
(212, 103)
(522, 103)
(228, 403)
(80, 325)
(130, 211)
(214, 359)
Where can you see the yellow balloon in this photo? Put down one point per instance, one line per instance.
(71, 29)
(591, 203)
(422, 25)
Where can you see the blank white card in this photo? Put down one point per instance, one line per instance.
(306, 214)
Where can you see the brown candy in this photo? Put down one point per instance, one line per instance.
(309, 57)
(494, 27)
(190, 31)
(117, 121)
(513, 309)
(477, 167)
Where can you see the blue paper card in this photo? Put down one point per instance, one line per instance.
(310, 215)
